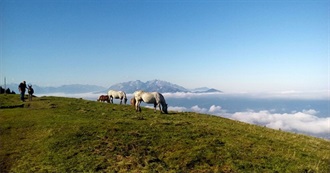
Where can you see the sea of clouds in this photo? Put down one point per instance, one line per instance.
(306, 121)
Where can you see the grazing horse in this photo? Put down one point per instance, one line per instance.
(155, 98)
(117, 95)
(104, 98)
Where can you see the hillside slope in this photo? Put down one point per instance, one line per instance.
(53, 134)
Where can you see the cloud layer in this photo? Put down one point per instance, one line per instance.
(305, 121)
(291, 94)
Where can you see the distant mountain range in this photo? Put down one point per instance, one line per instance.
(128, 87)
(153, 85)
(157, 85)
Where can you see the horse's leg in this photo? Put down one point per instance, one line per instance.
(161, 111)
(121, 100)
(140, 106)
(155, 106)
(111, 99)
(137, 106)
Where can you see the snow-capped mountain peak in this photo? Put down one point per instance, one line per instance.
(155, 85)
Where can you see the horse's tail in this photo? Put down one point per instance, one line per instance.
(125, 98)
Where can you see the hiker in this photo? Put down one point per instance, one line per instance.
(21, 88)
(30, 92)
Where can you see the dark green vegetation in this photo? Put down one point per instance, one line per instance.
(52, 134)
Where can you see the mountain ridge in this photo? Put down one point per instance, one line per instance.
(158, 86)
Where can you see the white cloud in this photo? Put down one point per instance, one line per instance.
(196, 108)
(214, 108)
(304, 121)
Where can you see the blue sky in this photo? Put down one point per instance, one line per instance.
(234, 46)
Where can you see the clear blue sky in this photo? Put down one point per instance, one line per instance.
(275, 45)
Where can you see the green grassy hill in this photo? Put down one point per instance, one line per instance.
(53, 134)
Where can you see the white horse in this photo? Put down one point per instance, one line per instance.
(117, 95)
(155, 98)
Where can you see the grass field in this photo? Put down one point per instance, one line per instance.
(53, 134)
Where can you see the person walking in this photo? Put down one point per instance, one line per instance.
(21, 88)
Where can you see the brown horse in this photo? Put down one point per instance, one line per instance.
(104, 98)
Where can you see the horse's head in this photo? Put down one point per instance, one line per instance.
(164, 108)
